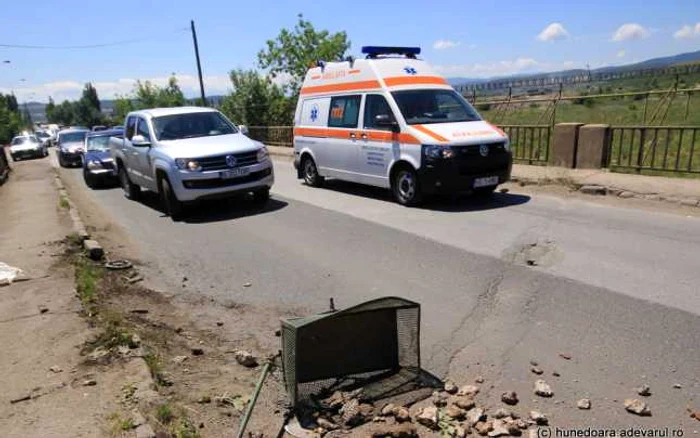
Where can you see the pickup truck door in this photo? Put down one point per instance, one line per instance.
(130, 152)
(142, 162)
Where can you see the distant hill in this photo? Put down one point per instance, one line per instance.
(663, 62)
(666, 61)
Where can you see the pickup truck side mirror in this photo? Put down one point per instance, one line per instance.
(139, 141)
(243, 129)
(386, 121)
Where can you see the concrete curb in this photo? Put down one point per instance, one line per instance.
(95, 251)
(91, 247)
(603, 190)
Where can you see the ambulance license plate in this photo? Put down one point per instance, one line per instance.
(486, 181)
(235, 173)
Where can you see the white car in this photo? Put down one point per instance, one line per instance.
(187, 154)
(27, 146)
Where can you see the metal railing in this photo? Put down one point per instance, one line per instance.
(272, 135)
(529, 143)
(656, 148)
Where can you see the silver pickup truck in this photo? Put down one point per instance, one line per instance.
(187, 154)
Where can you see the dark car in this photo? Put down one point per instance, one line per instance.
(70, 147)
(98, 166)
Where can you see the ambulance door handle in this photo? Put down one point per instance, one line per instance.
(353, 135)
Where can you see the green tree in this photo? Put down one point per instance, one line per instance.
(64, 113)
(150, 95)
(256, 100)
(87, 110)
(12, 104)
(49, 110)
(293, 51)
(171, 95)
(122, 106)
(10, 119)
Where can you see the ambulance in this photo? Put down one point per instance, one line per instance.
(391, 121)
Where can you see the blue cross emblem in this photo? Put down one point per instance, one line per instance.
(314, 113)
(410, 70)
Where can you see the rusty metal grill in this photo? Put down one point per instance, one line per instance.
(374, 345)
(655, 148)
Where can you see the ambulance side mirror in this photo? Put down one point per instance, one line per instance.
(386, 121)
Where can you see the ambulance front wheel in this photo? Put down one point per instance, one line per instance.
(310, 172)
(406, 187)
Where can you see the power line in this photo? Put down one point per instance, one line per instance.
(89, 46)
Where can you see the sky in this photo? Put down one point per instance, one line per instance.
(474, 39)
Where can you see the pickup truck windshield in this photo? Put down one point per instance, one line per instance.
(72, 137)
(98, 143)
(180, 126)
(434, 106)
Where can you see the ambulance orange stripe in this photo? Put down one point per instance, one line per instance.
(414, 80)
(348, 86)
(316, 77)
(381, 136)
(430, 133)
(354, 72)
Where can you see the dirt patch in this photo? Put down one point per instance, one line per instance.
(201, 388)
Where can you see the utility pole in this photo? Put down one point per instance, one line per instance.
(199, 66)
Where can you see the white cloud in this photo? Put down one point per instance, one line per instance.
(500, 68)
(553, 32)
(630, 31)
(687, 32)
(71, 90)
(444, 44)
(568, 64)
(621, 53)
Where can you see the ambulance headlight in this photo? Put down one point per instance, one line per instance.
(436, 152)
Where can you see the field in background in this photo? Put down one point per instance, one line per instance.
(608, 110)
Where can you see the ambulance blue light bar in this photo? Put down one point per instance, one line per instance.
(374, 51)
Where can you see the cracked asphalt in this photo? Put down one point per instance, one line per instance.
(614, 288)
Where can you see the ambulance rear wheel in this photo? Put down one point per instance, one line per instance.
(406, 187)
(310, 172)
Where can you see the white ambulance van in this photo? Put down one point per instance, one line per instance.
(390, 121)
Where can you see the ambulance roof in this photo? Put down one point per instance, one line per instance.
(375, 73)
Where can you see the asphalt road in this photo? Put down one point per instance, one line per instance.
(501, 283)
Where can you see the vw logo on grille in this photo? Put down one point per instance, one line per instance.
(231, 161)
(484, 150)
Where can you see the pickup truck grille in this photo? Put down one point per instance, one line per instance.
(219, 162)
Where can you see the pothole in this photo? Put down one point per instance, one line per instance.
(543, 253)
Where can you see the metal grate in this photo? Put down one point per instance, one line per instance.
(374, 345)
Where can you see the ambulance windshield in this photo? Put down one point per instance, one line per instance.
(434, 106)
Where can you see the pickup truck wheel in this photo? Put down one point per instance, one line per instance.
(261, 196)
(406, 187)
(131, 190)
(89, 179)
(173, 207)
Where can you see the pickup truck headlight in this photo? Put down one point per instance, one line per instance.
(263, 154)
(94, 165)
(436, 152)
(188, 164)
